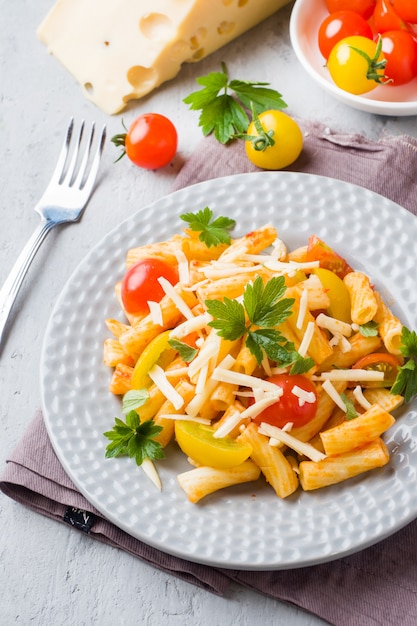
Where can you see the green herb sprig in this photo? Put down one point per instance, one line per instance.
(224, 114)
(406, 382)
(213, 232)
(186, 352)
(134, 438)
(256, 318)
(370, 329)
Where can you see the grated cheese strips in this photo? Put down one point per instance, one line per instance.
(351, 375)
(158, 376)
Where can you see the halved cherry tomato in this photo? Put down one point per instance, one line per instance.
(363, 7)
(386, 18)
(140, 284)
(338, 294)
(400, 50)
(380, 362)
(317, 250)
(290, 408)
(407, 9)
(339, 25)
(197, 441)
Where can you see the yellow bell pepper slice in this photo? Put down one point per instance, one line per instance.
(157, 351)
(339, 296)
(197, 441)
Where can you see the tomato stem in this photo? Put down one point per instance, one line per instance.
(374, 66)
(120, 140)
(264, 139)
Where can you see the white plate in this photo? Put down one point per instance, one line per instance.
(306, 17)
(245, 527)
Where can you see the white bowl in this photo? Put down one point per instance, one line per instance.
(305, 21)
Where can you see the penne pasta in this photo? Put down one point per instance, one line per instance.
(271, 461)
(202, 481)
(356, 432)
(389, 326)
(362, 297)
(336, 469)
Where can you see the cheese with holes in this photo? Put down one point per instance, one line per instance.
(119, 50)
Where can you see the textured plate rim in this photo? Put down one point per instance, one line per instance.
(225, 182)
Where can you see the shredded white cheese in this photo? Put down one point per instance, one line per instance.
(252, 411)
(190, 326)
(183, 267)
(289, 267)
(334, 394)
(176, 372)
(194, 406)
(209, 350)
(308, 336)
(335, 326)
(303, 395)
(155, 312)
(266, 366)
(184, 416)
(360, 398)
(150, 470)
(175, 297)
(292, 442)
(275, 442)
(202, 379)
(224, 270)
(350, 375)
(157, 375)
(236, 378)
(303, 309)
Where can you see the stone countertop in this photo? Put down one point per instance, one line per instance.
(49, 573)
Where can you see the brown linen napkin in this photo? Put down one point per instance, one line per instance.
(376, 586)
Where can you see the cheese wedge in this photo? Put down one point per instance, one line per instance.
(119, 50)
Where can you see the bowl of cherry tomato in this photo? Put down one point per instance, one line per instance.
(362, 52)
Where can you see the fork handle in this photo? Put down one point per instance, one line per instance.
(18, 272)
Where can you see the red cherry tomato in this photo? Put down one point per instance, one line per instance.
(407, 9)
(363, 7)
(380, 362)
(317, 250)
(289, 407)
(400, 50)
(386, 18)
(140, 284)
(339, 25)
(151, 141)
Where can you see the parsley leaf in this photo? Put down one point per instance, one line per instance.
(213, 232)
(134, 439)
(370, 329)
(256, 319)
(406, 382)
(351, 412)
(186, 352)
(229, 318)
(133, 399)
(224, 114)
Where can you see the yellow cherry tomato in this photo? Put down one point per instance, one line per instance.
(356, 64)
(287, 141)
(338, 294)
(197, 441)
(156, 350)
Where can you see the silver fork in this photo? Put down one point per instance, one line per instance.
(64, 200)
